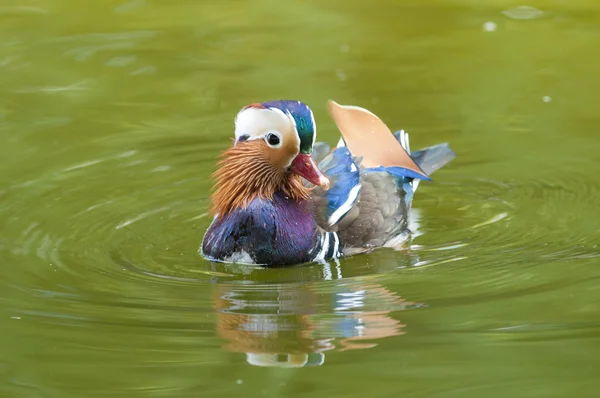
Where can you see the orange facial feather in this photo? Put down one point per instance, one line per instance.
(246, 172)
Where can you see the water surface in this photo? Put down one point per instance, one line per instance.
(112, 114)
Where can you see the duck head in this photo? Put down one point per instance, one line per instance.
(272, 152)
(288, 131)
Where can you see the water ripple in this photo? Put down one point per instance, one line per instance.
(117, 244)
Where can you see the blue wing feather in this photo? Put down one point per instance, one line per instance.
(341, 169)
(399, 172)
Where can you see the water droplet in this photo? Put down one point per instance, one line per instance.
(546, 98)
(489, 26)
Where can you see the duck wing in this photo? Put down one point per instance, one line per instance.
(365, 207)
(374, 177)
(333, 205)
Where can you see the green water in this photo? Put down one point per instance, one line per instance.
(112, 114)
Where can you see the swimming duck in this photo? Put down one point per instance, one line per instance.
(280, 198)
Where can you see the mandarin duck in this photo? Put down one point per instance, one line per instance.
(281, 199)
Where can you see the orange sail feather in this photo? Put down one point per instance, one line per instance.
(367, 136)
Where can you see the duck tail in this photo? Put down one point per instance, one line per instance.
(433, 158)
(429, 159)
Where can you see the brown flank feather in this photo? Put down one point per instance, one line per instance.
(245, 173)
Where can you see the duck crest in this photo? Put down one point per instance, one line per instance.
(244, 174)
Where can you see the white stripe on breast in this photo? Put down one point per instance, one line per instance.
(345, 207)
(324, 248)
(336, 245)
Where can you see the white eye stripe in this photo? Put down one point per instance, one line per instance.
(314, 126)
(247, 137)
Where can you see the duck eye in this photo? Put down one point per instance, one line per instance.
(273, 139)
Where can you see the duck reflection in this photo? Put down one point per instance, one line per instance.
(290, 317)
(293, 324)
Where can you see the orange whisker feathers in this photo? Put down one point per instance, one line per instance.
(244, 173)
